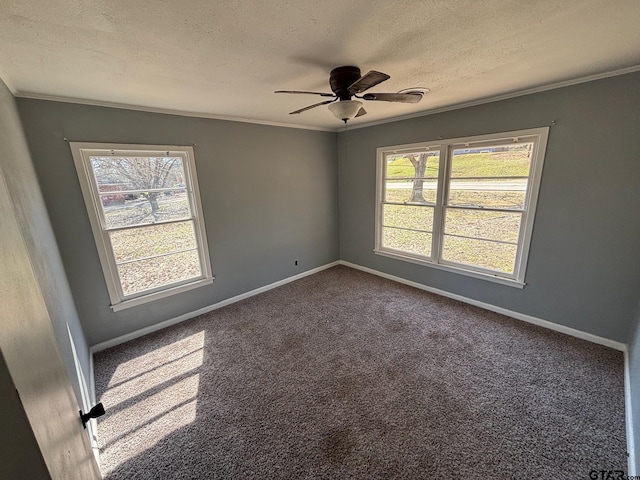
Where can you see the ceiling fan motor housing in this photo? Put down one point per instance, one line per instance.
(341, 79)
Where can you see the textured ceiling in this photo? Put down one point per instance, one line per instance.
(225, 59)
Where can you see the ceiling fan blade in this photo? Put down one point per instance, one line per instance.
(305, 92)
(312, 106)
(394, 97)
(367, 81)
(361, 112)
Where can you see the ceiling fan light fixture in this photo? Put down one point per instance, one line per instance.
(345, 109)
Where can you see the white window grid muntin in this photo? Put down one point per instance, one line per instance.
(150, 291)
(479, 269)
(106, 231)
(381, 195)
(537, 136)
(82, 153)
(444, 206)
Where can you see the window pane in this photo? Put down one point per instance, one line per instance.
(407, 216)
(488, 193)
(479, 253)
(142, 242)
(421, 164)
(411, 191)
(500, 160)
(503, 226)
(117, 174)
(407, 241)
(135, 209)
(412, 177)
(128, 189)
(156, 272)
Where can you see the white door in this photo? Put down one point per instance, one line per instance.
(33, 359)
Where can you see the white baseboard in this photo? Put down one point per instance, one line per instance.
(92, 425)
(509, 313)
(181, 318)
(629, 418)
(92, 379)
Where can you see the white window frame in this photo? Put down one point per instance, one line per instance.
(539, 136)
(82, 152)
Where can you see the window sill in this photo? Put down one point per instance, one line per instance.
(134, 302)
(448, 268)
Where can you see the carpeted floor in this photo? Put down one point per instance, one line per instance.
(346, 375)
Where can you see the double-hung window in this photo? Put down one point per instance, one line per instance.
(144, 206)
(465, 205)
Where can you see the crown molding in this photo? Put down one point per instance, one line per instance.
(497, 98)
(458, 106)
(5, 79)
(164, 111)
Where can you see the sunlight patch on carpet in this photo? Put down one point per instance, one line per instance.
(136, 398)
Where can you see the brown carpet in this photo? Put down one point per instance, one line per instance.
(346, 375)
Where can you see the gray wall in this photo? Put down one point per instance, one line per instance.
(634, 384)
(583, 267)
(269, 197)
(15, 163)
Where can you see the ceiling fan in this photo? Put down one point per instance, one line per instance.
(346, 82)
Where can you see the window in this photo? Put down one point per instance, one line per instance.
(465, 205)
(145, 212)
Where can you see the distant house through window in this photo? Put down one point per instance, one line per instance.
(465, 205)
(144, 206)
